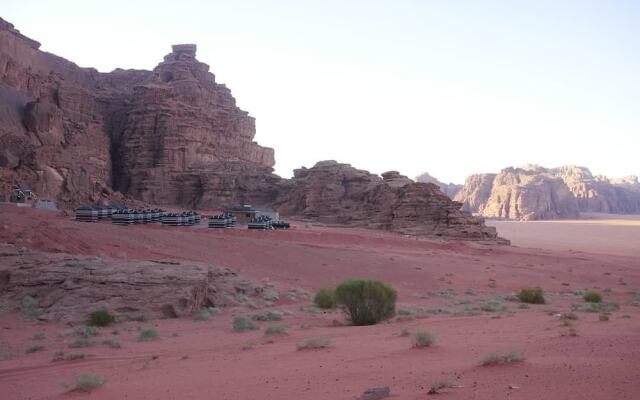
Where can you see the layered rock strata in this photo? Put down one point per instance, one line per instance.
(337, 193)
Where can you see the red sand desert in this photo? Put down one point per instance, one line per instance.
(444, 287)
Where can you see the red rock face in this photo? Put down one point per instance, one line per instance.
(168, 136)
(331, 192)
(185, 139)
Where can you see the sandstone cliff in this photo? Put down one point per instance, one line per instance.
(534, 192)
(332, 192)
(168, 136)
(450, 189)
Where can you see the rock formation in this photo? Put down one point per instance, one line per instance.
(168, 136)
(450, 189)
(61, 287)
(174, 136)
(332, 192)
(186, 142)
(533, 192)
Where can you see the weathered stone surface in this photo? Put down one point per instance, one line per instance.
(450, 189)
(332, 192)
(186, 142)
(68, 288)
(168, 136)
(533, 192)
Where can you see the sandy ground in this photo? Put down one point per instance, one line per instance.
(597, 233)
(443, 288)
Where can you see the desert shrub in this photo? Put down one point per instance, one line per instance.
(437, 386)
(603, 317)
(569, 316)
(423, 339)
(268, 316)
(38, 336)
(113, 343)
(496, 359)
(101, 317)
(276, 330)
(493, 306)
(248, 345)
(531, 295)
(595, 307)
(270, 295)
(147, 335)
(202, 315)
(242, 324)
(74, 356)
(592, 297)
(325, 298)
(405, 332)
(82, 342)
(88, 382)
(315, 342)
(82, 331)
(34, 348)
(367, 302)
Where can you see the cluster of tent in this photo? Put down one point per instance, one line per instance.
(127, 216)
(223, 220)
(185, 218)
(264, 222)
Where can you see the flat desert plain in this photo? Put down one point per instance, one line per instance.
(460, 292)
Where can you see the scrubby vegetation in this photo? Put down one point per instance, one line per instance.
(88, 382)
(532, 295)
(147, 335)
(438, 386)
(267, 316)
(82, 331)
(423, 339)
(592, 297)
(82, 342)
(276, 330)
(325, 298)
(101, 317)
(243, 323)
(367, 302)
(34, 348)
(314, 342)
(496, 359)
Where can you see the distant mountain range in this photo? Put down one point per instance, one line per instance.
(532, 192)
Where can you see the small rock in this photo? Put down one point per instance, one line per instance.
(514, 386)
(376, 393)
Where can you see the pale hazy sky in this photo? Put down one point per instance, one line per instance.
(448, 87)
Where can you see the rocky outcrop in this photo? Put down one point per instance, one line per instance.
(450, 189)
(168, 136)
(336, 193)
(186, 142)
(599, 193)
(533, 192)
(60, 287)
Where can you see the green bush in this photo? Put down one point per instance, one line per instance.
(367, 302)
(241, 324)
(147, 335)
(592, 297)
(325, 298)
(531, 295)
(88, 382)
(101, 317)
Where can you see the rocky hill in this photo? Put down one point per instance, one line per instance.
(174, 136)
(450, 189)
(332, 192)
(168, 136)
(533, 192)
